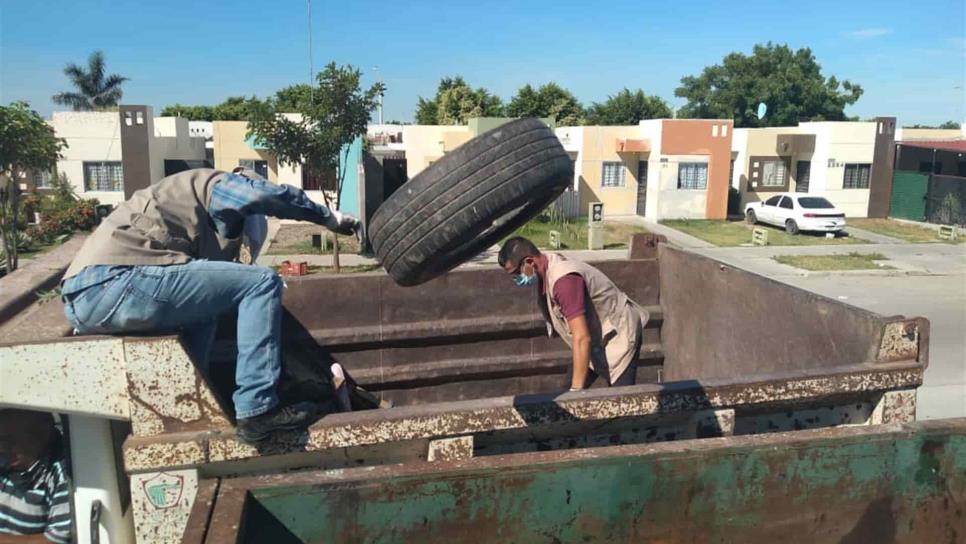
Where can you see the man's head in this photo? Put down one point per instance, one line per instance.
(521, 258)
(25, 436)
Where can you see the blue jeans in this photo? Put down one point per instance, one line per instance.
(188, 299)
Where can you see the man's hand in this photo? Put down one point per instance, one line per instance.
(343, 223)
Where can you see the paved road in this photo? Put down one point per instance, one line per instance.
(931, 282)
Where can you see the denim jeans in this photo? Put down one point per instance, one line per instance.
(188, 299)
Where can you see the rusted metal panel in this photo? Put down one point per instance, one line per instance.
(506, 413)
(70, 376)
(450, 449)
(174, 450)
(896, 407)
(196, 528)
(162, 502)
(721, 321)
(889, 483)
(901, 341)
(166, 391)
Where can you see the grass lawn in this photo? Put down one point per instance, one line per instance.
(297, 240)
(316, 269)
(902, 231)
(573, 235)
(736, 233)
(852, 261)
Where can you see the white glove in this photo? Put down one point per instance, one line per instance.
(343, 223)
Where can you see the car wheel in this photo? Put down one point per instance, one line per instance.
(791, 227)
(469, 200)
(750, 217)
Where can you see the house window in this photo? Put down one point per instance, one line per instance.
(43, 180)
(774, 173)
(803, 174)
(103, 176)
(857, 176)
(693, 176)
(612, 174)
(259, 167)
(321, 182)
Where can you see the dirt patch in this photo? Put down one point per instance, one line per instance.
(297, 240)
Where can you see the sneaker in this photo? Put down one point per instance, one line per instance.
(288, 418)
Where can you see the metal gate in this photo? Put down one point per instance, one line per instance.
(641, 187)
(909, 195)
(568, 204)
(946, 200)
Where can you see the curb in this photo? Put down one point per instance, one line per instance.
(18, 290)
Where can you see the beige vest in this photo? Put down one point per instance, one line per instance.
(166, 223)
(616, 322)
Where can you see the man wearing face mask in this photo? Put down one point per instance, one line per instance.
(165, 261)
(34, 489)
(602, 326)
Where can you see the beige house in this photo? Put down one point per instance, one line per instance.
(659, 169)
(93, 159)
(837, 160)
(425, 144)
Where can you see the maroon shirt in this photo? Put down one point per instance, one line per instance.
(570, 293)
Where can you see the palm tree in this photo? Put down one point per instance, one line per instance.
(94, 90)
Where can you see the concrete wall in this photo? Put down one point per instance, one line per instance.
(231, 147)
(599, 145)
(692, 139)
(572, 139)
(674, 203)
(91, 136)
(173, 140)
(907, 134)
(427, 143)
(838, 144)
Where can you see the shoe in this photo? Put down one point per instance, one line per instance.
(288, 418)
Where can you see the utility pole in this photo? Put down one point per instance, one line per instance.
(375, 69)
(311, 69)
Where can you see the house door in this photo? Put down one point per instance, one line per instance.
(641, 187)
(803, 171)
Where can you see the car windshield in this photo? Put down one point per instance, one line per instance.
(813, 202)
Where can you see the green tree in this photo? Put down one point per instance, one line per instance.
(950, 125)
(94, 90)
(293, 98)
(789, 82)
(337, 113)
(27, 143)
(627, 108)
(456, 102)
(549, 100)
(191, 113)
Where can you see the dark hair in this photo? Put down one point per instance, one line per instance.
(515, 250)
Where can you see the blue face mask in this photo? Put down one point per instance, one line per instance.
(524, 281)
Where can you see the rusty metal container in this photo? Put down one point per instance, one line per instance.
(889, 483)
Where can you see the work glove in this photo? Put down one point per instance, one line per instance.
(343, 223)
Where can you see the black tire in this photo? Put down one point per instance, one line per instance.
(791, 227)
(750, 217)
(469, 200)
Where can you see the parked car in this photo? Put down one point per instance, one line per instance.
(796, 212)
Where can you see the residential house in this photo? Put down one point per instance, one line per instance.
(233, 148)
(659, 169)
(848, 163)
(109, 155)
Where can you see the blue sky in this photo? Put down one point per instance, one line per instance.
(910, 57)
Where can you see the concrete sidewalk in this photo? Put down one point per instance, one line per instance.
(674, 236)
(873, 237)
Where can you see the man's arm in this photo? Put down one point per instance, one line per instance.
(580, 340)
(570, 292)
(235, 197)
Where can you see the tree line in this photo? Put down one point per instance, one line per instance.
(789, 82)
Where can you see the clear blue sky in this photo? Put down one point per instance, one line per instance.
(910, 57)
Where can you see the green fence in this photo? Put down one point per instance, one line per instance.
(909, 195)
